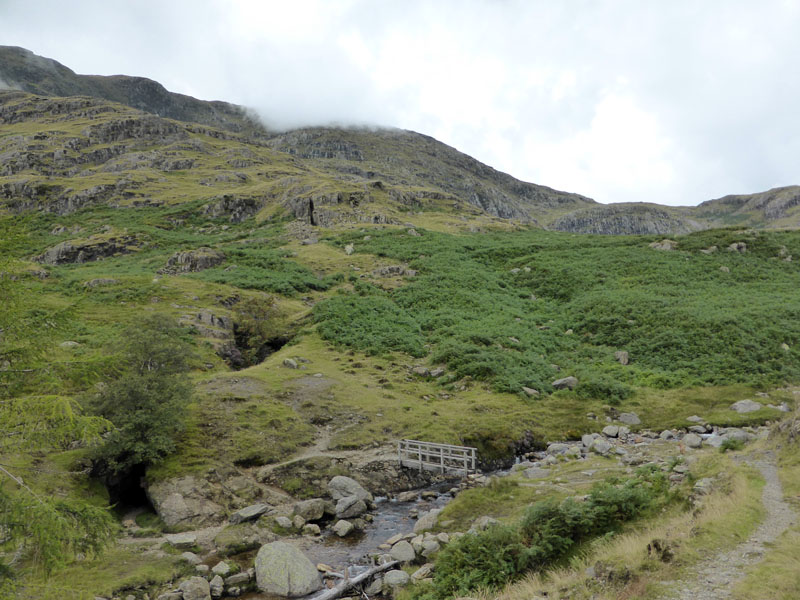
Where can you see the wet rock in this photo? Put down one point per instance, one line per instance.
(407, 496)
(343, 528)
(427, 520)
(349, 507)
(283, 570)
(565, 383)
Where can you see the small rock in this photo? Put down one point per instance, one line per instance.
(437, 372)
(621, 356)
(482, 523)
(69, 344)
(181, 540)
(311, 529)
(343, 528)
(601, 447)
(430, 547)
(695, 419)
(284, 522)
(536, 473)
(665, 245)
(407, 496)
(191, 558)
(202, 569)
(667, 435)
(222, 569)
(239, 579)
(724, 269)
(298, 522)
(424, 571)
(611, 431)
(216, 586)
(248, 513)
(289, 363)
(349, 249)
(530, 391)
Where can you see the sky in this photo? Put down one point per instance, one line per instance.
(668, 101)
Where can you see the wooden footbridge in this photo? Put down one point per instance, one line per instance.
(444, 458)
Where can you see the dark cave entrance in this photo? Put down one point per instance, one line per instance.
(126, 490)
(312, 219)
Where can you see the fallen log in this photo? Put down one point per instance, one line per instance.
(340, 589)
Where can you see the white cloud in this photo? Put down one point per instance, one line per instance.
(620, 100)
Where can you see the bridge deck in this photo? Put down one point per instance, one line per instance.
(443, 458)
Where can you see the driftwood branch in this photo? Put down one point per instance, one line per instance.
(339, 590)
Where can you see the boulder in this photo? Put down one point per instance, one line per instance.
(482, 523)
(430, 547)
(181, 540)
(340, 487)
(629, 418)
(611, 431)
(248, 513)
(184, 501)
(667, 435)
(536, 473)
(239, 579)
(191, 558)
(311, 529)
(695, 419)
(290, 363)
(284, 522)
(746, 406)
(601, 447)
(310, 510)
(395, 578)
(557, 448)
(283, 570)
(427, 520)
(403, 551)
(424, 571)
(565, 383)
(216, 586)
(421, 371)
(407, 496)
(530, 391)
(666, 245)
(343, 528)
(195, 588)
(349, 507)
(222, 569)
(587, 439)
(621, 356)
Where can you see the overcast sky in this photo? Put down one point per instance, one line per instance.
(669, 101)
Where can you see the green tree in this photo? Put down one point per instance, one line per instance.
(146, 401)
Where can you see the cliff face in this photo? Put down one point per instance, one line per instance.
(626, 219)
(778, 207)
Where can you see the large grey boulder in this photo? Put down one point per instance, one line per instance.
(283, 570)
(395, 578)
(184, 501)
(601, 447)
(195, 588)
(310, 510)
(692, 440)
(340, 487)
(565, 383)
(349, 507)
(403, 551)
(745, 406)
(181, 540)
(611, 431)
(629, 418)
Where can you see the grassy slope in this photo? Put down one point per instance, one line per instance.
(699, 338)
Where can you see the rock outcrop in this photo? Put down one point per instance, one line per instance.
(283, 570)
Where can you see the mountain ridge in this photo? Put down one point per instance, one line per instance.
(413, 168)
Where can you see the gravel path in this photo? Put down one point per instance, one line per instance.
(715, 577)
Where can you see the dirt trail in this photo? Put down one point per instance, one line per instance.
(714, 578)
